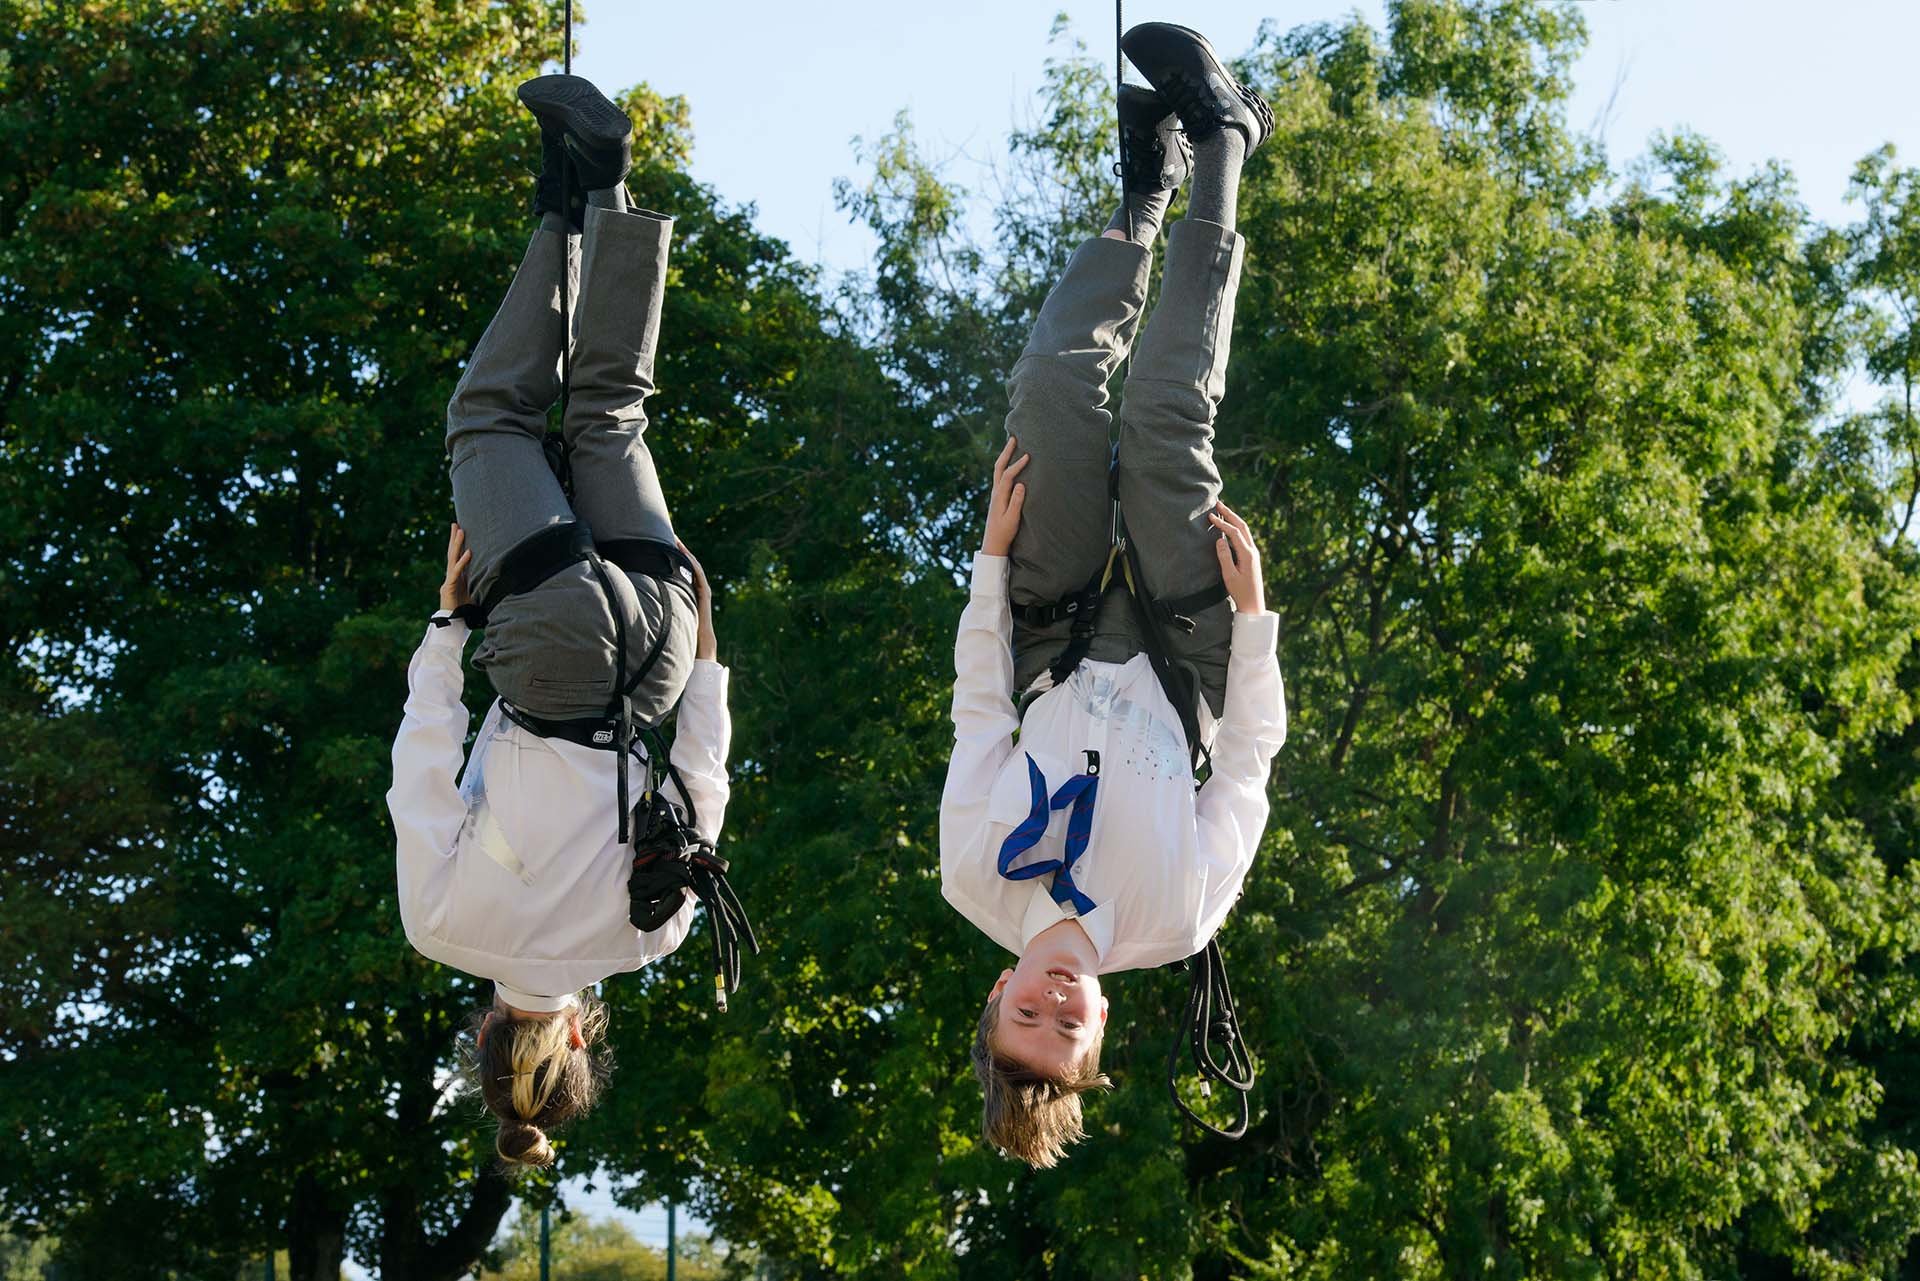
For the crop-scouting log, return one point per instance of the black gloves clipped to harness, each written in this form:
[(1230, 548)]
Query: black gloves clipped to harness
[(670, 859)]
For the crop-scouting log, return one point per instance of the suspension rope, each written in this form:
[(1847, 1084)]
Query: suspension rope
[(1119, 129), (566, 259)]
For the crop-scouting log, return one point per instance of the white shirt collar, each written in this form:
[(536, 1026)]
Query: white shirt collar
[(1043, 912), (533, 1003)]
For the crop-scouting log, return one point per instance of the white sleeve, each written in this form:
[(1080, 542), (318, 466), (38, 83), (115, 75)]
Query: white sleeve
[(700, 745), (428, 752), (1231, 809), (984, 716)]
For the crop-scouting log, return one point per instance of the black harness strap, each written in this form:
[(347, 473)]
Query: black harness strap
[(649, 556), (1178, 612), (672, 859), (530, 564)]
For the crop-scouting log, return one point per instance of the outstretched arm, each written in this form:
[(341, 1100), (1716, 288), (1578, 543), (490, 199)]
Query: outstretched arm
[(429, 750), (705, 735), (984, 718), (1232, 808)]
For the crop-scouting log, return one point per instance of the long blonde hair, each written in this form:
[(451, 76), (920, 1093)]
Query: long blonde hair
[(534, 1075)]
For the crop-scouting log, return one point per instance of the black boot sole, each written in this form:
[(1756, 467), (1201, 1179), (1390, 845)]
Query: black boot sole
[(595, 132), (1181, 64)]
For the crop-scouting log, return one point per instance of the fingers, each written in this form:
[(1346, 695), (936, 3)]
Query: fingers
[(1235, 519), (1019, 466), (700, 584), (1236, 534), (1015, 500), (1000, 463), (460, 565)]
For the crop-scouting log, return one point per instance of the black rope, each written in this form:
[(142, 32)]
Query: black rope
[(559, 447), (1119, 129), (1210, 1017)]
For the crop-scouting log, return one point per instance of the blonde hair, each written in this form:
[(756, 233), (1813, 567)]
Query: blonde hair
[(532, 1076), (1029, 1116)]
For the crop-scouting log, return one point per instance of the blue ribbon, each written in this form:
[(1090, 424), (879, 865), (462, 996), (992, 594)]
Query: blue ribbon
[(1078, 792)]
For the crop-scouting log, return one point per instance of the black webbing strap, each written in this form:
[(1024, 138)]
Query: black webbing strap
[(1210, 1019), (671, 858), (651, 557), (1178, 612), (530, 564), (1176, 680), (1083, 607)]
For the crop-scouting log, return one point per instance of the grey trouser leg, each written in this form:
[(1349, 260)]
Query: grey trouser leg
[(616, 488), (503, 490), (550, 651), (1058, 395), (1168, 481), (623, 280)]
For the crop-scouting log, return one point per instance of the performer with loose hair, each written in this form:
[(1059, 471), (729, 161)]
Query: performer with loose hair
[(1071, 834)]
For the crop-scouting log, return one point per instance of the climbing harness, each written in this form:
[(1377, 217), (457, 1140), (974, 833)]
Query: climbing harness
[(538, 559), (670, 857), (1153, 614)]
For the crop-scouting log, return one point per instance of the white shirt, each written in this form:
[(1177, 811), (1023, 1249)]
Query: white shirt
[(516, 872), (1162, 865)]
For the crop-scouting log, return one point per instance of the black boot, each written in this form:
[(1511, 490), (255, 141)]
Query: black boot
[(582, 135), (1182, 66), (1158, 156)]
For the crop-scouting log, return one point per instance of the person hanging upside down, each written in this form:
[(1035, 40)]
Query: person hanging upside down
[(1082, 847), (519, 872)]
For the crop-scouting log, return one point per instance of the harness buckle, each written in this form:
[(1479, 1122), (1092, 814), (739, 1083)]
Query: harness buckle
[(1093, 763)]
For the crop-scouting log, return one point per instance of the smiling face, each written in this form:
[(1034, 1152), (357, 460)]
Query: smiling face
[(1051, 1012)]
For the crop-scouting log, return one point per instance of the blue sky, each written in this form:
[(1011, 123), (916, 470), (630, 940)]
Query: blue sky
[(778, 91)]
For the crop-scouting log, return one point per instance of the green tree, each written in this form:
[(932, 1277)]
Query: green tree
[(1567, 939), (245, 247), (583, 1249), (1583, 940)]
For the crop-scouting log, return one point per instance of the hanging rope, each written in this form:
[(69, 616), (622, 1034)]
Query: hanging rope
[(1210, 1018), (1120, 131), (566, 272)]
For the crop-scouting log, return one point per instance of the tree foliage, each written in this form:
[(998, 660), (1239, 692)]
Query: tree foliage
[(1582, 941)]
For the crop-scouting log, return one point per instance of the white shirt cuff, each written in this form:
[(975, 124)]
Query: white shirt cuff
[(708, 672), (989, 575), (452, 636), (1255, 635)]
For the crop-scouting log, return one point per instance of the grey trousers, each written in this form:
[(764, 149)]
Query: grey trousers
[(550, 650), (1168, 481)]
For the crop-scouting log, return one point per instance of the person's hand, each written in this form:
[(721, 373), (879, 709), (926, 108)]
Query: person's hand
[(453, 592), (1003, 509), (1239, 560), (705, 645)]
